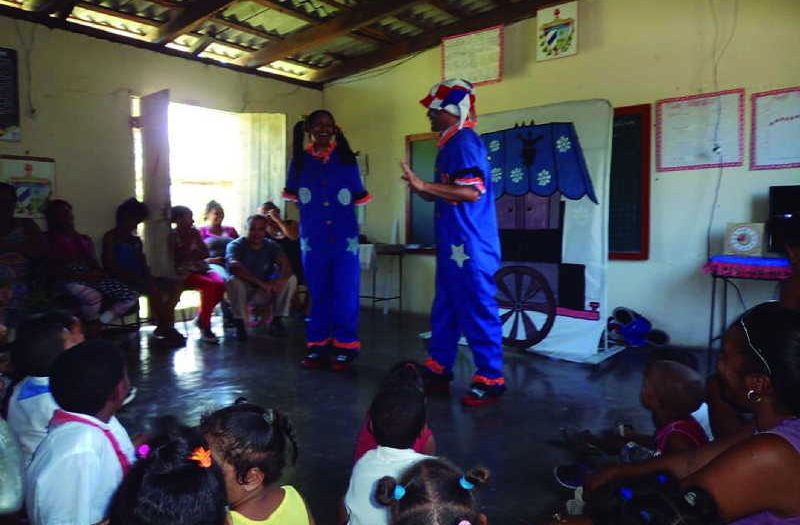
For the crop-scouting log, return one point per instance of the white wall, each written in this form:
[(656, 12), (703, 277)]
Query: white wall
[(81, 88), (630, 52)]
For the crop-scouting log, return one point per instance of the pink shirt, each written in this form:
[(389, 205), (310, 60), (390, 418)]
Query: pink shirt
[(689, 427), (366, 440)]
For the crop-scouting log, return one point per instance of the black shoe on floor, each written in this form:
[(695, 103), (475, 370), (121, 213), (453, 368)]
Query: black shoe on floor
[(277, 328)]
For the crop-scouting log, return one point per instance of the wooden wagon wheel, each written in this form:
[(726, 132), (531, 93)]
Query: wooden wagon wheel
[(529, 303)]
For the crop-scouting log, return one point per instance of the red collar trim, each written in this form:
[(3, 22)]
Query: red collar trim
[(323, 155), (452, 130)]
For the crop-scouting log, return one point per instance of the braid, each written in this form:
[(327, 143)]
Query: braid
[(283, 426), (298, 134), (345, 152)]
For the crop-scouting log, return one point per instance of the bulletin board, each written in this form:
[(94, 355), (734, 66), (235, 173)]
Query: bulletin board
[(35, 180), (775, 134), (475, 56), (700, 131)]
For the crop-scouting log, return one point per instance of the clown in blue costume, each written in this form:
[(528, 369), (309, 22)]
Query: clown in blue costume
[(324, 181), (467, 245)]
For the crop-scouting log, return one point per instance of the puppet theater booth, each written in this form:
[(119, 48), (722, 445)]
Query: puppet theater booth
[(550, 174)]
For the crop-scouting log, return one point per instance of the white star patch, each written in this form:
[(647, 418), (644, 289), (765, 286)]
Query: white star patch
[(352, 245), (458, 254), (304, 246)]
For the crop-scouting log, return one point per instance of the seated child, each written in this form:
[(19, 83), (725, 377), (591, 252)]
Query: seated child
[(175, 483), (80, 463), (250, 444), (433, 492), (401, 375), (41, 339), (397, 416), (671, 392)]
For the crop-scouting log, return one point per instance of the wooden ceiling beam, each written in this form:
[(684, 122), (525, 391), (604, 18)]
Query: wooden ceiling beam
[(324, 32), (244, 28), (201, 45), (187, 19), (291, 11), (447, 7), (61, 8), (505, 15)]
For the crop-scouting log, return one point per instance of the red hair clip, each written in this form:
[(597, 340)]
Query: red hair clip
[(202, 456)]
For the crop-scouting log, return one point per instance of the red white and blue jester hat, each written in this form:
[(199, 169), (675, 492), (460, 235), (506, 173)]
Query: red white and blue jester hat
[(454, 95)]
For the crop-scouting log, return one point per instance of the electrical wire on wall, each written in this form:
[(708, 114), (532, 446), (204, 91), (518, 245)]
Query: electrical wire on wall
[(27, 48), (717, 53)]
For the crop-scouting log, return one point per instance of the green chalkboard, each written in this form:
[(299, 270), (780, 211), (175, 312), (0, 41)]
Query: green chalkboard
[(422, 152)]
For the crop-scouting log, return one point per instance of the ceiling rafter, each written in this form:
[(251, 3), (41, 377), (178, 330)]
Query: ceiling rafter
[(60, 8), (187, 19), (447, 7), (331, 29), (509, 14)]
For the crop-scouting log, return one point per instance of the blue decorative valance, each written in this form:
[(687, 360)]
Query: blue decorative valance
[(543, 159)]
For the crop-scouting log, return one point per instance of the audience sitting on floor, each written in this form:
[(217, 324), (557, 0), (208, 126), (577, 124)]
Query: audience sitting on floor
[(22, 246), (402, 376), (191, 265), (261, 278), (251, 444), (176, 482), (396, 418), (86, 453), (671, 392), (753, 478), (433, 492), (41, 340), (124, 259), (73, 266)]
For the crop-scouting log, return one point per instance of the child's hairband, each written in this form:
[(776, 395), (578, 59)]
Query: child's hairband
[(202, 456), (466, 485), (399, 492), (143, 450)]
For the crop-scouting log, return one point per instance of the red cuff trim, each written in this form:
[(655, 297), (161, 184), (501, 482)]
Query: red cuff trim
[(475, 182), (363, 200), (289, 196), (352, 345), (487, 381), (324, 342), (433, 366)]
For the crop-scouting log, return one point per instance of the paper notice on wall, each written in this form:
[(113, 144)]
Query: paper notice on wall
[(775, 140), (476, 57)]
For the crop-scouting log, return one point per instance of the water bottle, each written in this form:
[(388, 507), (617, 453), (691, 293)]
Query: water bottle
[(633, 452)]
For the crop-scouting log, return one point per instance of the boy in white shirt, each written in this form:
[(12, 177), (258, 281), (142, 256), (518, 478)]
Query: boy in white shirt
[(397, 417), (80, 463), (40, 341)]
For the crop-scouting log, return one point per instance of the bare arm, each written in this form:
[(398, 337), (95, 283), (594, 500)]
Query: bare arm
[(680, 464), (431, 190), (758, 475)]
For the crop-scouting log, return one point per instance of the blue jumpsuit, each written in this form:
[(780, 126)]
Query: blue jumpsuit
[(326, 192), (467, 257)]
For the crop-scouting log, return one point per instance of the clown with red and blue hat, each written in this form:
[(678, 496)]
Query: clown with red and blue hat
[(467, 245)]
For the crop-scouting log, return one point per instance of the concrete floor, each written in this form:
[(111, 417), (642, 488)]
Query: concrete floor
[(326, 409)]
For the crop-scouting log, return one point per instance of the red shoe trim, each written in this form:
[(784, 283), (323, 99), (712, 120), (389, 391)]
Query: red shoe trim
[(469, 401), (324, 342)]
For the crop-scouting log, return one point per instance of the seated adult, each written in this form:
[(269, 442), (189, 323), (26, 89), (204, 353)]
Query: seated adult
[(754, 477), (123, 258), (216, 236), (286, 233), (191, 256), (72, 265), (254, 261), (21, 245)]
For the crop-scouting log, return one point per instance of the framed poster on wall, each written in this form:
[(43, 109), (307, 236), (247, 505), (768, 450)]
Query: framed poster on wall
[(35, 180), (475, 56), (700, 131), (775, 136), (9, 96)]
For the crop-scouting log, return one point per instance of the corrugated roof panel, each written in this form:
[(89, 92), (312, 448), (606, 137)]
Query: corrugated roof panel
[(256, 15), (396, 27), (224, 32), (140, 8), (105, 21), (346, 46)]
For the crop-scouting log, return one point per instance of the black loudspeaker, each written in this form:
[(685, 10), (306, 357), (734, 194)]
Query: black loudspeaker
[(572, 286), (784, 216)]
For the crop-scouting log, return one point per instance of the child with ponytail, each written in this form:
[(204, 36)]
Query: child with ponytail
[(433, 492)]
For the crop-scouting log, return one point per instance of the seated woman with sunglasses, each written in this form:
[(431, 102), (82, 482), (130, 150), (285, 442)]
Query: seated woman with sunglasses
[(753, 476)]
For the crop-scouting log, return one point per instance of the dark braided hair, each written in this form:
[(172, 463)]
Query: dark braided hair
[(250, 436), (302, 127), (432, 492)]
